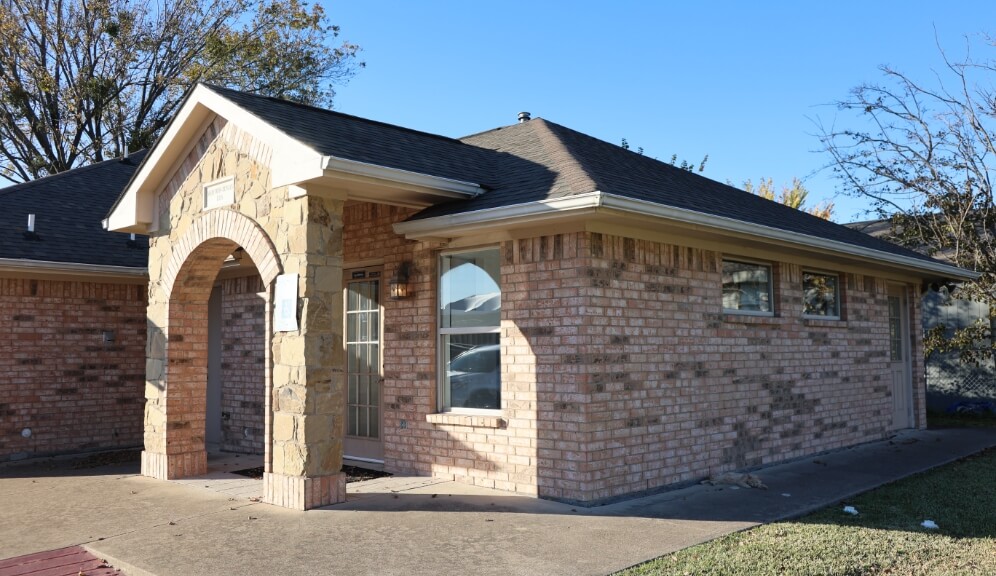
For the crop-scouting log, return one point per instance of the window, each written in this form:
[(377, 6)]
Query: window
[(895, 329), (820, 295), (469, 326), (747, 288)]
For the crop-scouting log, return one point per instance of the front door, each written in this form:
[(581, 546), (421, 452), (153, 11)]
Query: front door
[(899, 360), (364, 431)]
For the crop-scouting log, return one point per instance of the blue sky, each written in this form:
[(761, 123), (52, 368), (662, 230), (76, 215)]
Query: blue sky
[(740, 81)]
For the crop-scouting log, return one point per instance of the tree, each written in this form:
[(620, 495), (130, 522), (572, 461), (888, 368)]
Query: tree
[(83, 80), (793, 197), (923, 155), (685, 164)]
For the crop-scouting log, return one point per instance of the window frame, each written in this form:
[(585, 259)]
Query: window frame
[(837, 294), (442, 392), (771, 287)]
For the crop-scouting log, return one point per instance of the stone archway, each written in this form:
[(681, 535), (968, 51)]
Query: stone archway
[(177, 417), (303, 375)]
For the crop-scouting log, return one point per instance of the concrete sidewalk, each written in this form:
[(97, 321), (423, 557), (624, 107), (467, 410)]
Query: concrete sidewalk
[(416, 526)]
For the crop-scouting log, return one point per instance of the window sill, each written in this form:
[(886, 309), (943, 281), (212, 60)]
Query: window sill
[(829, 322), (741, 318), (469, 420)]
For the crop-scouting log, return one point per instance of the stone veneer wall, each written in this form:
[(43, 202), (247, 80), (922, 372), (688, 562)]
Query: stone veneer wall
[(281, 234), (57, 375), (243, 350)]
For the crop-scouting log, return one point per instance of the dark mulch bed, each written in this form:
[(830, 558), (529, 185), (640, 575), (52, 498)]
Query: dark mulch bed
[(353, 473), (107, 458)]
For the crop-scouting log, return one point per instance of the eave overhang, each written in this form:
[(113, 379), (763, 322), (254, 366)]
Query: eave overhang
[(293, 164), (14, 266), (598, 207)]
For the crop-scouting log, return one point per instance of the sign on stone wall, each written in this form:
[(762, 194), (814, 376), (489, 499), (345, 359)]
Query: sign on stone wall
[(285, 304), (219, 193)]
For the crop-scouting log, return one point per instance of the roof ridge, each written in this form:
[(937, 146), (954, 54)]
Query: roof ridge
[(319, 109), (65, 173), (557, 148)]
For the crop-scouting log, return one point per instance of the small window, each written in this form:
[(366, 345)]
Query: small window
[(469, 330), (747, 288), (820, 295)]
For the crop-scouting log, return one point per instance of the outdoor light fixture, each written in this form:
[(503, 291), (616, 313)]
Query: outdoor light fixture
[(399, 287)]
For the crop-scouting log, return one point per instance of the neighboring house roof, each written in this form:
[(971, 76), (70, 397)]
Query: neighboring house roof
[(68, 209), (529, 171)]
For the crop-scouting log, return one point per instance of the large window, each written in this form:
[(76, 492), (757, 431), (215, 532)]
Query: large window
[(469, 326), (820, 295), (746, 287)]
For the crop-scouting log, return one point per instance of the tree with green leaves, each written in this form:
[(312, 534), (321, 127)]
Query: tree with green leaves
[(922, 152), (84, 80), (793, 196)]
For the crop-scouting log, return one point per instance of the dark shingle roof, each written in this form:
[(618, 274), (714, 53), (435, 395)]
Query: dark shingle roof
[(353, 138), (554, 161), (68, 209)]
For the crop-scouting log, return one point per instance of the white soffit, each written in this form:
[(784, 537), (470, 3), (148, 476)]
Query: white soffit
[(134, 212), (595, 204), (293, 163)]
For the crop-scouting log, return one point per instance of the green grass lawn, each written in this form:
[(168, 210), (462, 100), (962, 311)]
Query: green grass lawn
[(884, 538)]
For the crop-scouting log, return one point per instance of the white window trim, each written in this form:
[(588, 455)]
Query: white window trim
[(837, 298), (771, 288), (442, 393)]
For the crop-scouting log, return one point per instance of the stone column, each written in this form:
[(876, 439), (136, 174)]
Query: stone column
[(308, 392)]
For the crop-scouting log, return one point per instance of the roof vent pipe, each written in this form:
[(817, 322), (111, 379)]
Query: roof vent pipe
[(31, 223), (523, 117)]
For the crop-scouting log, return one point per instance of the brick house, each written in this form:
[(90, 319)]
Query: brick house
[(73, 303), (72, 316), (528, 308)]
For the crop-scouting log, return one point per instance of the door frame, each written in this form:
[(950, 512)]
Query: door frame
[(351, 274), (906, 351)]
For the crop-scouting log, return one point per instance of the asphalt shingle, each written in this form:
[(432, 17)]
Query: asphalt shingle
[(68, 209)]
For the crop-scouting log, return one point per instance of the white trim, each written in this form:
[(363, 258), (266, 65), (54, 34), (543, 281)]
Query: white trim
[(226, 185), (598, 202), (135, 210), (358, 459), (70, 268), (457, 188)]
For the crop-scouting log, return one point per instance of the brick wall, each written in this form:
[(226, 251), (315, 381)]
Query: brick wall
[(677, 390), (621, 374), (243, 341), (59, 377)]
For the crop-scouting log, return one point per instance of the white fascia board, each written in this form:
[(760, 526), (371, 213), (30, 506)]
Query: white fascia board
[(442, 226), (14, 265), (449, 187), (134, 211), (721, 223), (598, 202)]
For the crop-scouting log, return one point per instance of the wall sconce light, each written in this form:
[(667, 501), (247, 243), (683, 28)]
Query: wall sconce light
[(398, 286)]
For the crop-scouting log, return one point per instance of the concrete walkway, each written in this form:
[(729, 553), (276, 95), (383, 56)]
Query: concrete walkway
[(411, 526)]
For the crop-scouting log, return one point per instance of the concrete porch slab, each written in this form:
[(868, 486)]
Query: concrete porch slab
[(412, 526)]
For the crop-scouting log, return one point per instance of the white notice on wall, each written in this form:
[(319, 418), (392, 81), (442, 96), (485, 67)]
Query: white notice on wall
[(285, 304), (219, 193)]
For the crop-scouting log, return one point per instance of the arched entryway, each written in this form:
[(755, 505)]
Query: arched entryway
[(303, 395), (189, 280)]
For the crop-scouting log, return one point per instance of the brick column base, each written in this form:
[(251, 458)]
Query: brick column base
[(174, 466), (302, 493)]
